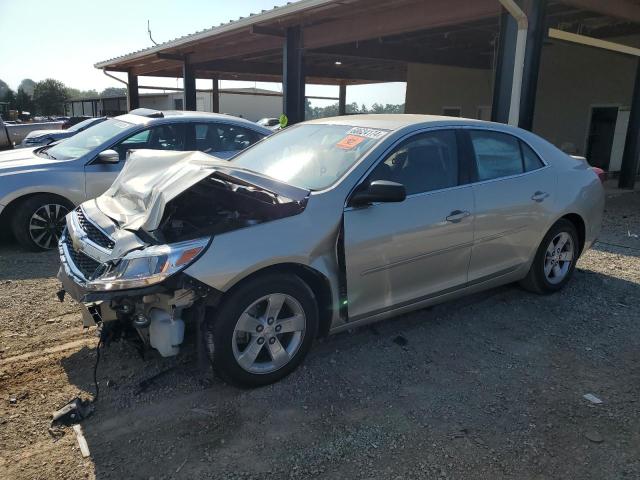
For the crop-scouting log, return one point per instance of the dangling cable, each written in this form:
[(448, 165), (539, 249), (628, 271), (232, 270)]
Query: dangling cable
[(95, 369)]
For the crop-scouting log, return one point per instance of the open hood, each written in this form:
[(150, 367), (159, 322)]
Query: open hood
[(150, 179)]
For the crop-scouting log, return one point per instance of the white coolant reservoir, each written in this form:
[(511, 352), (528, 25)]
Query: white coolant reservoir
[(165, 334)]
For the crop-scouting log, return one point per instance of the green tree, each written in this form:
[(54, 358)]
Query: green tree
[(24, 101), (113, 92), (10, 98), (4, 88), (27, 85), (77, 93), (49, 96)]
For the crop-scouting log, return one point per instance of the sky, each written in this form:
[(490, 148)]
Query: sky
[(63, 39)]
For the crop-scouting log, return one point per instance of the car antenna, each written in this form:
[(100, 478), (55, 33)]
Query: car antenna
[(149, 31)]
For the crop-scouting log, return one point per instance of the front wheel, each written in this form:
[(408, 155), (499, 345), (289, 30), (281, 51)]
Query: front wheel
[(39, 220), (263, 330), (555, 259)]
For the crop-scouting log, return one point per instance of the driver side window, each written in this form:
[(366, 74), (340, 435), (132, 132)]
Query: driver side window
[(423, 163), (161, 137)]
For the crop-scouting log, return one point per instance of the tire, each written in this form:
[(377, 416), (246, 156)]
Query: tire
[(544, 280), (26, 225), (243, 321)]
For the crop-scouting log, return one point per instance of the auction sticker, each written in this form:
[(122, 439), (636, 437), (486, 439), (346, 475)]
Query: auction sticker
[(349, 142), (367, 132)]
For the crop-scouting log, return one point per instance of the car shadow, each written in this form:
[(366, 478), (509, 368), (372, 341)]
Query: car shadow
[(423, 375)]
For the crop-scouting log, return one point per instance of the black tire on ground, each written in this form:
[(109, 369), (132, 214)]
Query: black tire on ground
[(536, 280), (23, 212), (220, 329)]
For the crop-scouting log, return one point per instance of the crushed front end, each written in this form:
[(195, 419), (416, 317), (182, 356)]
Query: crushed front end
[(140, 294), (123, 255)]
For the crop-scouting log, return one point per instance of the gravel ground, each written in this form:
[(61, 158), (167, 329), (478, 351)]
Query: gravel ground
[(487, 387)]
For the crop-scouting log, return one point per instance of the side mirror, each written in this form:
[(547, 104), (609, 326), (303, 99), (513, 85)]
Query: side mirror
[(108, 156), (379, 191)]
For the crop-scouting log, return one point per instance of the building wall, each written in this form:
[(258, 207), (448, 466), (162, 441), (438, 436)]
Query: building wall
[(251, 107), (572, 79), (431, 88)]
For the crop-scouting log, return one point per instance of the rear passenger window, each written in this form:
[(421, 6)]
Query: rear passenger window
[(531, 159), (497, 154), (425, 162), (212, 137)]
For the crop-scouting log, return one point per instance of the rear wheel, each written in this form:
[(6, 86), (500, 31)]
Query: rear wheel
[(263, 331), (38, 221), (555, 259)]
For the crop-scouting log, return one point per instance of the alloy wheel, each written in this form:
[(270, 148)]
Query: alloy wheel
[(558, 258), (46, 225), (269, 333)]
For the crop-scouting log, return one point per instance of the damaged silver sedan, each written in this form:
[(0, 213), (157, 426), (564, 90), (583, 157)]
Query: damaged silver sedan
[(327, 225)]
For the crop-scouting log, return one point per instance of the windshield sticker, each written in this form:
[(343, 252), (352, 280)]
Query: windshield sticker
[(349, 142), (367, 132)]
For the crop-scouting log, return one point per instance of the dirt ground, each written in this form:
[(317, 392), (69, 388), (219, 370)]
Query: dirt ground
[(487, 387)]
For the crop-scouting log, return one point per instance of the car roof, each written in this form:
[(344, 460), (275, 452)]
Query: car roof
[(397, 121), (169, 116)]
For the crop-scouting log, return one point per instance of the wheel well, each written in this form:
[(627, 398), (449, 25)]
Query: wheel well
[(7, 213), (578, 222), (317, 282)]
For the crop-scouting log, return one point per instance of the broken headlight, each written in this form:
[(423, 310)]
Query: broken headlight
[(141, 268)]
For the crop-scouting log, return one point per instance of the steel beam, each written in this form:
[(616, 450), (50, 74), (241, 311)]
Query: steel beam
[(503, 78), (293, 81), (535, 40), (133, 94), (189, 84), (629, 169), (342, 100), (215, 96)]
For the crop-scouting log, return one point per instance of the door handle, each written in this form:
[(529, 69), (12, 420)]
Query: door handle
[(539, 196), (457, 215)]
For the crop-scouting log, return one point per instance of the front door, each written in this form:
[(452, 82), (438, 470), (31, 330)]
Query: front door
[(400, 253)]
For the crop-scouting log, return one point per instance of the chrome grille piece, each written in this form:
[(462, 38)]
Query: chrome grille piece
[(93, 233)]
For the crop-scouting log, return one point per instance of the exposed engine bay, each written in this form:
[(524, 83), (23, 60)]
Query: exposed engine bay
[(215, 205)]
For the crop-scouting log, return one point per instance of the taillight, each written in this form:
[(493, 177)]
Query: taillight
[(602, 175)]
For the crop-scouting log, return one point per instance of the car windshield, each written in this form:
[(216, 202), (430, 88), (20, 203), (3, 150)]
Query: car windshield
[(312, 156), (79, 126), (87, 140)]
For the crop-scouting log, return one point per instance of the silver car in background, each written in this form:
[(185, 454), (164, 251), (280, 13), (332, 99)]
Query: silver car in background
[(325, 226), (39, 138), (39, 186)]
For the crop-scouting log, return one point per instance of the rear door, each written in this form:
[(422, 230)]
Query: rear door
[(100, 176), (400, 253), (514, 193)]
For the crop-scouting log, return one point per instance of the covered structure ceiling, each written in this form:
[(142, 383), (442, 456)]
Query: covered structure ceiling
[(357, 41)]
